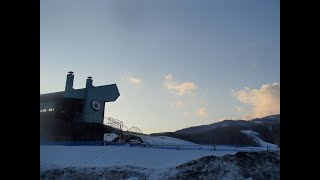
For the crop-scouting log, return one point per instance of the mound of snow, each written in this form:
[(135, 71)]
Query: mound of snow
[(241, 166), (257, 139)]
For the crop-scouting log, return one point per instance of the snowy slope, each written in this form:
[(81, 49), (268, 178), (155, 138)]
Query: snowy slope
[(164, 140), (107, 156), (256, 138)]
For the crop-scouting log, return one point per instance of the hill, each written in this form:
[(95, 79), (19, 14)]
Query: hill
[(229, 132)]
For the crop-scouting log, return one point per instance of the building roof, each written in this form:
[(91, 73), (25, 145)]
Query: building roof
[(107, 93)]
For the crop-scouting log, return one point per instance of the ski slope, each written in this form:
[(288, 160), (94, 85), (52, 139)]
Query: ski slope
[(164, 140), (153, 140), (258, 140)]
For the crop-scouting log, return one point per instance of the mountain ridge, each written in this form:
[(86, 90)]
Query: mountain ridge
[(228, 131)]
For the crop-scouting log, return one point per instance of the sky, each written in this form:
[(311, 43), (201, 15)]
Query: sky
[(177, 63)]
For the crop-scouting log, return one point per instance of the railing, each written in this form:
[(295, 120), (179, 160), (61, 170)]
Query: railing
[(117, 124), (135, 130), (172, 147), (199, 147)]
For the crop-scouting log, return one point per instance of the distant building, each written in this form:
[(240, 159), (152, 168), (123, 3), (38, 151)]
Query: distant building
[(77, 105)]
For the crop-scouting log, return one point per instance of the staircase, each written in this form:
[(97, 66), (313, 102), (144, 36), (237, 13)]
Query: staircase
[(124, 133)]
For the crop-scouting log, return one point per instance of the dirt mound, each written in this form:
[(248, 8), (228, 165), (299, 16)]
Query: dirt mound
[(93, 173), (243, 165)]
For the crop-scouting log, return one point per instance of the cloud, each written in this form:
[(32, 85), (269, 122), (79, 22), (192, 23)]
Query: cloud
[(177, 105), (133, 80), (202, 112), (264, 101), (187, 114), (238, 109), (179, 88), (168, 77)]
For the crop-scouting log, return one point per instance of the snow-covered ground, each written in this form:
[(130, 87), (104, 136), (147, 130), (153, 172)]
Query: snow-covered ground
[(258, 140), (106, 156), (158, 160), (165, 152), (122, 162), (152, 140)]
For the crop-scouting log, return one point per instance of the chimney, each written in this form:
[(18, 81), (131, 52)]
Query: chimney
[(89, 82), (69, 82)]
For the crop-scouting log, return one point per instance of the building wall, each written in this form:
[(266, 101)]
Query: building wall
[(101, 94), (62, 113), (45, 106)]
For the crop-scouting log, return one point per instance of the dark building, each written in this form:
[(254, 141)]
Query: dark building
[(60, 111)]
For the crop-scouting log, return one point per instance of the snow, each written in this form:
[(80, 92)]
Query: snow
[(250, 132), (258, 140), (110, 137), (153, 140), (242, 166), (135, 162), (54, 156), (158, 160), (164, 140)]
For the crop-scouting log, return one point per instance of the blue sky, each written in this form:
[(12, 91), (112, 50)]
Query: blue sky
[(176, 63)]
